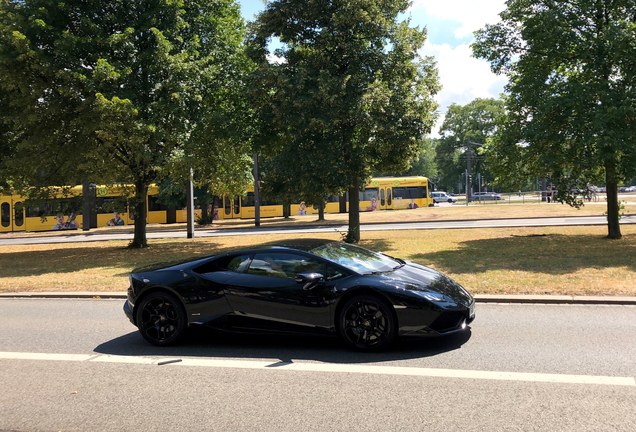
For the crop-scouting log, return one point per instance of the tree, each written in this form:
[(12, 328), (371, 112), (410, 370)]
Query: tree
[(466, 128), (423, 164), (351, 95), (571, 99), (118, 89)]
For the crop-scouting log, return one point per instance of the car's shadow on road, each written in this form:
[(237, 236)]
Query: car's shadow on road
[(201, 342)]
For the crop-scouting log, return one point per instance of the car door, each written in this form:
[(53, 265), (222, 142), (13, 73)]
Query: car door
[(267, 295)]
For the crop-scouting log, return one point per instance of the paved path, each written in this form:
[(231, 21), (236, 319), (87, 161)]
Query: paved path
[(485, 223)]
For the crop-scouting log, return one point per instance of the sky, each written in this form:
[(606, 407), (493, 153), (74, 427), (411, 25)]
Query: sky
[(450, 25)]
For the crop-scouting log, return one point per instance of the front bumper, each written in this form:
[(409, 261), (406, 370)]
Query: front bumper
[(128, 310), (447, 321)]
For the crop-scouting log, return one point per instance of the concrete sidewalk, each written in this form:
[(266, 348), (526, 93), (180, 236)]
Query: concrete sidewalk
[(480, 298)]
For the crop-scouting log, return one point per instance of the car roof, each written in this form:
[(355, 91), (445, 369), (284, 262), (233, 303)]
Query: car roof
[(300, 244)]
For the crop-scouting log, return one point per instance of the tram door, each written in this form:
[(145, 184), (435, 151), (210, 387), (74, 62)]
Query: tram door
[(386, 198), (11, 214), (231, 207)]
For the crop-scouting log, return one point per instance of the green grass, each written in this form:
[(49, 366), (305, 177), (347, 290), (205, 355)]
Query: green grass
[(544, 260)]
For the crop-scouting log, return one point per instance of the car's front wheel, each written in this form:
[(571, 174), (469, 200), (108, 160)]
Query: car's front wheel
[(161, 319), (367, 323)]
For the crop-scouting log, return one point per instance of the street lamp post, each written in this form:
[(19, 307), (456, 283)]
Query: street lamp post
[(469, 170), (190, 208), (257, 193)]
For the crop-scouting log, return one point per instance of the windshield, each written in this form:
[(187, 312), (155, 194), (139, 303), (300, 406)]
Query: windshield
[(356, 258)]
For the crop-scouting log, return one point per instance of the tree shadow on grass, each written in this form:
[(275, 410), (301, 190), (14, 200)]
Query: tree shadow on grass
[(547, 254), (85, 257)]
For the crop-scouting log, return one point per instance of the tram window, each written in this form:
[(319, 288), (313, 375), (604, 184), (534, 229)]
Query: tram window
[(52, 207), (18, 209), (389, 196), (110, 205), (369, 194), (154, 204), (382, 202), (5, 214), (249, 201)]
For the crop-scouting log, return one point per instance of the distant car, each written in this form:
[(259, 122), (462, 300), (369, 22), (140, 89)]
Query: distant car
[(440, 196), (630, 189), (305, 285), (486, 196)]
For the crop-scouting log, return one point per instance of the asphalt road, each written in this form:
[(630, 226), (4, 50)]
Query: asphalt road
[(76, 236), (78, 365)]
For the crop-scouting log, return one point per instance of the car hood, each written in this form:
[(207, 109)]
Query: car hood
[(415, 277)]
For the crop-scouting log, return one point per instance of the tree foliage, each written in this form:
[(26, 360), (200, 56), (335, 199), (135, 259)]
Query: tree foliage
[(571, 99), (118, 90), (350, 96), (474, 123)]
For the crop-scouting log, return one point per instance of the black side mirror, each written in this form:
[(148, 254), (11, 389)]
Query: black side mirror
[(309, 280)]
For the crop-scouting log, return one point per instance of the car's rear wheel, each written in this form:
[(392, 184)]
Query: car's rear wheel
[(367, 323), (161, 319)]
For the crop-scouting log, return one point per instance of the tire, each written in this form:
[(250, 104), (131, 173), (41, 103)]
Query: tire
[(367, 323), (161, 319)]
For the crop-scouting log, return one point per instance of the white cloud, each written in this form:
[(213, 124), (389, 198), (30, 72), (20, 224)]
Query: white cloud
[(274, 59), (470, 14), (463, 77)]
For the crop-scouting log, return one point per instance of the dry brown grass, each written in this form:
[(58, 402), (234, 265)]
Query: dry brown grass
[(543, 260)]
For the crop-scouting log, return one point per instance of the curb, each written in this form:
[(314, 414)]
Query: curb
[(479, 298)]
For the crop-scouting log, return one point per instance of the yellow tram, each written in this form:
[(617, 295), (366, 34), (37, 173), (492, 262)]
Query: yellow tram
[(63, 209)]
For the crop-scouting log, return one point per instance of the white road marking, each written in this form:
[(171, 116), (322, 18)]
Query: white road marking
[(327, 367)]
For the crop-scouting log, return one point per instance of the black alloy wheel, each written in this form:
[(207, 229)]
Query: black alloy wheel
[(161, 319), (367, 323)]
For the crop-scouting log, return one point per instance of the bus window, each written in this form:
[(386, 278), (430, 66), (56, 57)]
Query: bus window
[(5, 214), (410, 192)]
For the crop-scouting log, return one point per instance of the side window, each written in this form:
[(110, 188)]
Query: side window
[(239, 263), (332, 273), (285, 265)]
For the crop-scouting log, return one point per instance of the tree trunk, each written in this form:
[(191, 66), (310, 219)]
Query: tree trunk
[(140, 240), (321, 211), (611, 184), (353, 236)]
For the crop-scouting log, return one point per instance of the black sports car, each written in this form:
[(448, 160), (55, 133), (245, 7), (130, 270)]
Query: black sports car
[(318, 286)]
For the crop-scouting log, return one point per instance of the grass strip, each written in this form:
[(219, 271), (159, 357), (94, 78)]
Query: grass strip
[(538, 260)]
